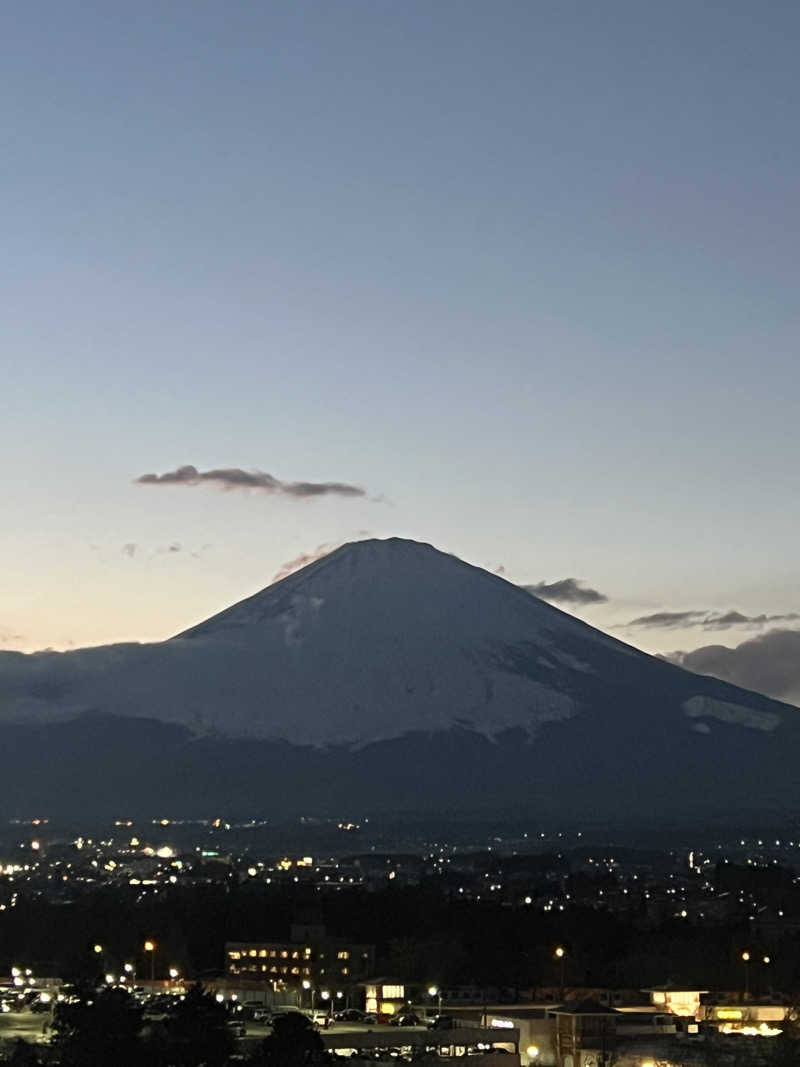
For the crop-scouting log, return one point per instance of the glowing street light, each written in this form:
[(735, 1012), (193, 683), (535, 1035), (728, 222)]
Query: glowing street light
[(561, 955), (150, 946), (173, 973), (435, 991), (746, 962), (98, 949)]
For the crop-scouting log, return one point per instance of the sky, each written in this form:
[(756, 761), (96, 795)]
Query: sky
[(518, 279)]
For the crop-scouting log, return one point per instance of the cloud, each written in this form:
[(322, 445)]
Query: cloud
[(667, 619), (302, 560), (129, 549), (9, 637), (707, 620), (235, 478), (768, 663), (566, 591)]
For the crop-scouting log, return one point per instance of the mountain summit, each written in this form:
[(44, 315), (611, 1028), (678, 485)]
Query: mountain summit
[(391, 675)]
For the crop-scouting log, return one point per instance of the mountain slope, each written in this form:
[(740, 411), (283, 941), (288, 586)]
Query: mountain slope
[(393, 671)]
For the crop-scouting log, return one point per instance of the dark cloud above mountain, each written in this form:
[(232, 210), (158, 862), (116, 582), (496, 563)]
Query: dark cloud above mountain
[(235, 478), (707, 620), (769, 663), (566, 591)]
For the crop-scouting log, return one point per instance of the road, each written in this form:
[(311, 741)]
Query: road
[(25, 1024)]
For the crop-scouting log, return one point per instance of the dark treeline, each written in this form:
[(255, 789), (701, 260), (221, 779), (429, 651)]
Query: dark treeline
[(420, 935)]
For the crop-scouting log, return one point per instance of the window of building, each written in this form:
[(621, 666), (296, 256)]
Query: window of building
[(252, 952), (343, 956), (394, 992), (262, 952), (345, 970), (234, 955)]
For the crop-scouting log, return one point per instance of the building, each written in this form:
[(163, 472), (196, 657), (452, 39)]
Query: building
[(585, 1034), (677, 999), (309, 956)]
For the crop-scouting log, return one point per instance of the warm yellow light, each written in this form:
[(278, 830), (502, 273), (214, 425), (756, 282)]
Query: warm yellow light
[(767, 959), (560, 952), (746, 957), (533, 1051), (306, 984), (98, 948), (173, 973), (149, 946), (433, 990)]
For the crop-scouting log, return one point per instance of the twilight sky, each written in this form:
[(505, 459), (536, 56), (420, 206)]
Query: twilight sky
[(525, 272)]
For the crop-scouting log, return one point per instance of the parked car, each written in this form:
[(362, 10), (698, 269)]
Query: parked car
[(237, 1027), (442, 1022), (370, 1018), (349, 1015), (407, 1018)]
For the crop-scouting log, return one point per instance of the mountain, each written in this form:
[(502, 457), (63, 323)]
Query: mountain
[(388, 676)]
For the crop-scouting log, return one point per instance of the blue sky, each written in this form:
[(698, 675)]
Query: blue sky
[(527, 272)]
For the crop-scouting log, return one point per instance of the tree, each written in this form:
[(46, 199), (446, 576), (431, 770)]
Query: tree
[(195, 1034), (292, 1043), (23, 1055), (100, 1027)]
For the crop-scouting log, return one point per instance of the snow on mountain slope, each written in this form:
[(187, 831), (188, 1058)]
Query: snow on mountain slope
[(373, 642)]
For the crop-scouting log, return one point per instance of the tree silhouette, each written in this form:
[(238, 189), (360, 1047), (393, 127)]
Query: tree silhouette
[(195, 1034), (23, 1054), (100, 1028), (293, 1043)]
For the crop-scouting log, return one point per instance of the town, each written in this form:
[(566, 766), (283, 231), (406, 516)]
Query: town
[(413, 940)]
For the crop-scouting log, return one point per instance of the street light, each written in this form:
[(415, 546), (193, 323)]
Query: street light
[(561, 955), (98, 949), (746, 962), (435, 991), (150, 946), (173, 973)]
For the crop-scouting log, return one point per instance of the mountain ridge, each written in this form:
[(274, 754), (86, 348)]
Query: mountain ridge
[(391, 668)]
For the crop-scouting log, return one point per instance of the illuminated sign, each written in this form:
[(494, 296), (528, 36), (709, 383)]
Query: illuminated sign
[(501, 1024), (729, 1013)]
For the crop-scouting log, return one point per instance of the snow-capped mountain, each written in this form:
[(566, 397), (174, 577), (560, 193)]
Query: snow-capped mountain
[(393, 674)]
